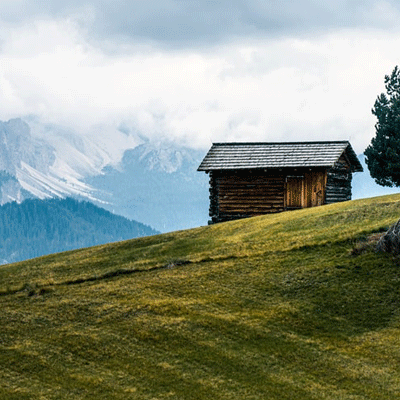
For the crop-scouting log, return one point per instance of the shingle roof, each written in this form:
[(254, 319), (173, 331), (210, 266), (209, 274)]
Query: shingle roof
[(223, 156)]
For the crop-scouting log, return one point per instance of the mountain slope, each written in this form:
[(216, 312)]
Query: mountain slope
[(38, 227), (295, 305)]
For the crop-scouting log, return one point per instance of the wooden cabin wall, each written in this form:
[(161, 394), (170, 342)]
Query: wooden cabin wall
[(235, 195), (338, 185), (214, 208), (242, 194)]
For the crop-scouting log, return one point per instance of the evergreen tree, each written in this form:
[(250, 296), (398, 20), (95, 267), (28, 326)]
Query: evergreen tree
[(38, 227), (383, 154)]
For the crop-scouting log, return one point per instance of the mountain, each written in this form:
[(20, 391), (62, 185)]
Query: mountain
[(17, 151), (152, 182), (49, 161), (158, 184), (30, 167), (38, 227), (290, 306)]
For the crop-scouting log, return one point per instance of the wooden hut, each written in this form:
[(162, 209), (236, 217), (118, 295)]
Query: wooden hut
[(248, 179)]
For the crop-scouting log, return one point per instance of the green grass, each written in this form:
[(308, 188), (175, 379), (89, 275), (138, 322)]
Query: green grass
[(291, 306)]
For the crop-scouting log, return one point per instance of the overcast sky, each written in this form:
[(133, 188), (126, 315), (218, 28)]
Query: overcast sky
[(200, 71)]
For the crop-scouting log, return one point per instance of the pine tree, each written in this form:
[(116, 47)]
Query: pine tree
[(383, 154)]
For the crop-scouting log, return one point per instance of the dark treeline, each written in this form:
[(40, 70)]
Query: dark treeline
[(38, 227)]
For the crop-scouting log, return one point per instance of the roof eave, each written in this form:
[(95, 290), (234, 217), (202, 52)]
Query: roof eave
[(201, 169), (353, 159)]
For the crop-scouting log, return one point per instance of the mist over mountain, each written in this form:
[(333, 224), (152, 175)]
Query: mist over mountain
[(50, 161), (35, 168), (157, 184)]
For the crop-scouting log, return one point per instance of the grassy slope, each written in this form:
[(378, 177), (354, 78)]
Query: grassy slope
[(273, 307)]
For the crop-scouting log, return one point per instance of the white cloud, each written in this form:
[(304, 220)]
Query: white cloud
[(188, 23), (308, 88)]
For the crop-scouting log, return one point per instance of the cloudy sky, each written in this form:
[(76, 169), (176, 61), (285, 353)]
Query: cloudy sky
[(200, 71)]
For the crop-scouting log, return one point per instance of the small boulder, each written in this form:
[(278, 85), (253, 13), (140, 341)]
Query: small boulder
[(390, 241)]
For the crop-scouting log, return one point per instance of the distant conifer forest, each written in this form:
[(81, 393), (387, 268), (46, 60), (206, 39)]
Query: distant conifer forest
[(39, 227)]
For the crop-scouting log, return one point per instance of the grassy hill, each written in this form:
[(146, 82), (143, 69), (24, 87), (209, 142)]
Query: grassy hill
[(289, 306)]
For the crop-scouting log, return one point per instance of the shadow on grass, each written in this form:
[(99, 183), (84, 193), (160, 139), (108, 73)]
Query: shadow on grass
[(347, 294), (38, 289)]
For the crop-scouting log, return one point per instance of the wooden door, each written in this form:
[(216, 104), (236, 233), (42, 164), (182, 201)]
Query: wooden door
[(318, 193), (294, 191), (314, 188)]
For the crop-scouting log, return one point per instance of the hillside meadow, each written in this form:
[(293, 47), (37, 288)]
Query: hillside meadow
[(296, 305)]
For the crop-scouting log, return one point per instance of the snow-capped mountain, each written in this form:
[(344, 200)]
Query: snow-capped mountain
[(158, 184), (155, 183), (45, 161), (19, 154)]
